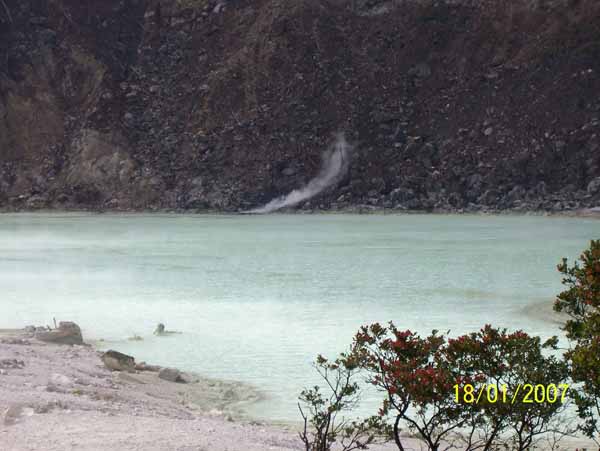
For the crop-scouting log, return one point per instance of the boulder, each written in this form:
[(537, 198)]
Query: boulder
[(289, 171), (15, 413), (143, 366), (421, 70), (15, 341), (170, 374), (594, 186), (117, 361), (30, 330), (60, 379), (67, 333), (12, 364), (160, 329), (517, 193)]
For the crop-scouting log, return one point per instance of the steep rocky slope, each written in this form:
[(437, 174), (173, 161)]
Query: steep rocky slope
[(214, 104)]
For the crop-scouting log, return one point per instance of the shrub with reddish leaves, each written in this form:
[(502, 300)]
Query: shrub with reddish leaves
[(417, 383), (423, 380), (508, 362), (419, 376)]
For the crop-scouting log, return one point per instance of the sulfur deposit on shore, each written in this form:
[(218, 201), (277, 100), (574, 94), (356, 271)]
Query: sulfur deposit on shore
[(61, 397)]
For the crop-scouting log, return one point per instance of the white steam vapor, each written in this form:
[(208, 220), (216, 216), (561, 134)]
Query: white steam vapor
[(335, 165)]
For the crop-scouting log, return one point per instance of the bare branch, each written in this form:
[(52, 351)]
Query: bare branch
[(7, 11)]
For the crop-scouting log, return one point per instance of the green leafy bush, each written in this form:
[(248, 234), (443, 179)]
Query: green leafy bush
[(581, 301)]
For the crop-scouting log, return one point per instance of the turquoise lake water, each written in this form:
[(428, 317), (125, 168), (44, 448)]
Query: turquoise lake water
[(257, 297)]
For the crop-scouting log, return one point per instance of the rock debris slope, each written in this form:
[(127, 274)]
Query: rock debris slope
[(225, 105)]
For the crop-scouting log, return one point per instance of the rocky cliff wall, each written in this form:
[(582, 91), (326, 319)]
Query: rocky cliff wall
[(205, 104)]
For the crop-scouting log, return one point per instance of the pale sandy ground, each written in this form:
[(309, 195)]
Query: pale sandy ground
[(63, 398)]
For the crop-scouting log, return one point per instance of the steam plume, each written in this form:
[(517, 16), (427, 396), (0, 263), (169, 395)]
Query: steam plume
[(335, 165)]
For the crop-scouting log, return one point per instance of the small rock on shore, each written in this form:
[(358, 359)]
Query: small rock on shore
[(170, 374), (117, 361)]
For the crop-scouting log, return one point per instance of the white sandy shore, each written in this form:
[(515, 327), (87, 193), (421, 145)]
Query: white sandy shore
[(58, 398), (63, 398)]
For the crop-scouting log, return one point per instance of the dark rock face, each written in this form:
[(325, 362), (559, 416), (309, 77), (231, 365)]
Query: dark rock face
[(183, 104), (68, 333)]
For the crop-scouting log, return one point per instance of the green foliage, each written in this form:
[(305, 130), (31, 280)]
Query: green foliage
[(581, 301)]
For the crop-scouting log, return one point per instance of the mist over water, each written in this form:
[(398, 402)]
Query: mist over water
[(257, 297), (335, 165)]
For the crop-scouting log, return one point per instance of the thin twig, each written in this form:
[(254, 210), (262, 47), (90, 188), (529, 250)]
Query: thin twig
[(7, 11)]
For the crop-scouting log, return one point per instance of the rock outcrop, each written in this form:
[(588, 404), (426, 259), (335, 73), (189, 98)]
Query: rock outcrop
[(170, 374), (594, 187), (117, 361), (15, 413), (67, 333), (143, 366), (210, 105)]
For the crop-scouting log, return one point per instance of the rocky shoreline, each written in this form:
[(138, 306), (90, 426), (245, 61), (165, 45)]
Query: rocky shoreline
[(57, 397), (593, 212)]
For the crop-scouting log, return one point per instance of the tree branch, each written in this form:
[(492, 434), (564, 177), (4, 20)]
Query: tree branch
[(7, 11)]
